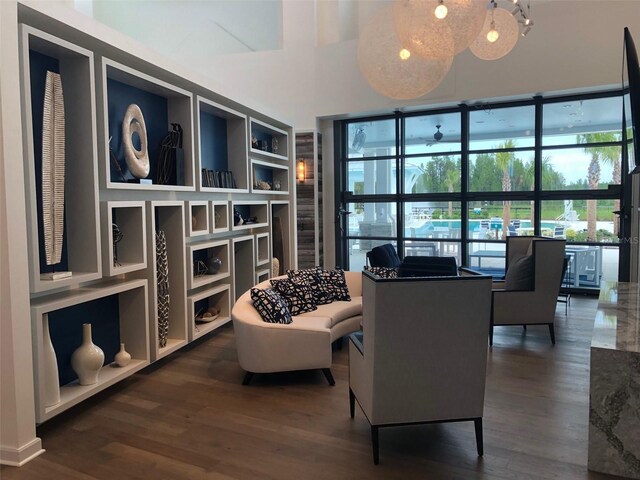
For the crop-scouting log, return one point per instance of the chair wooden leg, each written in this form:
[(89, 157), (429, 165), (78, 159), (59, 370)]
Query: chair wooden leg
[(479, 443), (352, 403), (375, 444), (247, 378), (552, 333), (339, 343), (329, 376)]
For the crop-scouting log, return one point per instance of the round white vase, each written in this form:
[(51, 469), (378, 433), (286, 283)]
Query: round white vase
[(50, 379), (123, 357), (88, 358)]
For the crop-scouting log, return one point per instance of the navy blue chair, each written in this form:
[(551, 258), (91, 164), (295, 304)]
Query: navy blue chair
[(383, 256)]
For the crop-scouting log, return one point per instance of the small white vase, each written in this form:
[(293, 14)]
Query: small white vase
[(88, 358), (123, 357), (50, 380)]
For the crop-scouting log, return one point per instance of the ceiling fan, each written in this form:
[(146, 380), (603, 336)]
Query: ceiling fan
[(437, 136)]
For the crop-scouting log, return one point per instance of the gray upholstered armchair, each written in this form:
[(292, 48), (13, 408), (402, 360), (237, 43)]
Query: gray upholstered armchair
[(422, 354), (529, 293)]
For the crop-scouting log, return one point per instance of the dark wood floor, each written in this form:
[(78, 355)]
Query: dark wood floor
[(189, 418)]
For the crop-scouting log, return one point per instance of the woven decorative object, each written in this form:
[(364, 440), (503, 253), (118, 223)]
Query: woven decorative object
[(162, 280), (53, 159)]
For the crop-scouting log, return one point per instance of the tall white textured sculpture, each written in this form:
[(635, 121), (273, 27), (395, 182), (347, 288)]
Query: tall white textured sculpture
[(53, 168), (137, 160)]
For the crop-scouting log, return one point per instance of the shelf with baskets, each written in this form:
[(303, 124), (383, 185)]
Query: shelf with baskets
[(125, 237), (269, 178), (167, 277), (268, 141), (244, 265), (198, 218), (167, 113), (117, 312), (207, 263), (250, 214), (209, 309), (219, 216), (222, 153), (75, 178)]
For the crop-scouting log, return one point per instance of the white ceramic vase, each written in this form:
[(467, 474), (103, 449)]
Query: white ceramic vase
[(123, 357), (50, 379), (88, 358)]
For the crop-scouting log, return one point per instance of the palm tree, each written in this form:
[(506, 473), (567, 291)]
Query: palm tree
[(504, 160), (604, 154)]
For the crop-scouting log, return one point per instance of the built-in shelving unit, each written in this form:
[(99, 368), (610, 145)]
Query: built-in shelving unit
[(281, 234), (112, 220), (218, 297), (118, 313), (263, 248), (167, 217), (244, 265), (222, 154), (269, 178), (41, 52), (201, 269), (219, 216), (198, 218), (268, 141), (163, 106), (254, 214), (125, 237)]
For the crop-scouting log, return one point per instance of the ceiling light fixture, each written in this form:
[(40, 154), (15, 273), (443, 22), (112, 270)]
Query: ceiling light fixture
[(407, 54)]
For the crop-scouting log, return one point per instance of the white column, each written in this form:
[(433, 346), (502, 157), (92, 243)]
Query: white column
[(18, 441)]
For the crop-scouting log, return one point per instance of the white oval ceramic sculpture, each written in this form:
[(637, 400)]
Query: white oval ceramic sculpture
[(123, 357), (137, 160), (87, 359)]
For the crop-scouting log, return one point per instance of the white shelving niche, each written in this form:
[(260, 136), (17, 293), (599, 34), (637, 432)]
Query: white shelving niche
[(272, 142), (162, 105), (244, 265), (263, 249), (39, 53), (198, 218), (200, 252), (167, 216), (132, 323), (222, 147), (251, 209), (276, 176), (282, 240), (218, 297), (219, 216), (130, 252), (262, 275)]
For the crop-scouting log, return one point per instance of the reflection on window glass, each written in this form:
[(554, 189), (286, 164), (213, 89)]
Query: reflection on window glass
[(432, 174), (581, 220), (487, 258), (501, 172), (432, 133), (371, 139), (497, 220), (581, 168), (582, 121), (432, 248), (372, 220), (371, 177), (500, 128)]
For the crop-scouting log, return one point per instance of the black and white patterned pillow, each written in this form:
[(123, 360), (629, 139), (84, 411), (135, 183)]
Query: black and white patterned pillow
[(297, 294), (271, 306), (383, 272), (335, 285), (312, 277)]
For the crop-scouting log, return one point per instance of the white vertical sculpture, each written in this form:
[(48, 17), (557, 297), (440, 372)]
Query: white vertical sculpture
[(53, 167), (137, 160)]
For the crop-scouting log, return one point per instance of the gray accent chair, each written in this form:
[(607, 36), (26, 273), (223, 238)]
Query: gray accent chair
[(532, 300), (422, 354)]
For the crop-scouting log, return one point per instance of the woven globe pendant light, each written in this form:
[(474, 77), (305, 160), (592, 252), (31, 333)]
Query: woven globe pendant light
[(419, 27), (390, 68), (501, 21)]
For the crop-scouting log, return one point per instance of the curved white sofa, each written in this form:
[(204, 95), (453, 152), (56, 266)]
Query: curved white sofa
[(301, 345)]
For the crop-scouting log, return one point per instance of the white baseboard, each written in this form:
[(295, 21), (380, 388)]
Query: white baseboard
[(16, 457)]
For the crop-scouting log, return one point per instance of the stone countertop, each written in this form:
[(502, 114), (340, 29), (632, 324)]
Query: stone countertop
[(617, 322)]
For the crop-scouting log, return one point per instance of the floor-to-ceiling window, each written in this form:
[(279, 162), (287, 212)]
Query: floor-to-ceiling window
[(457, 182)]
